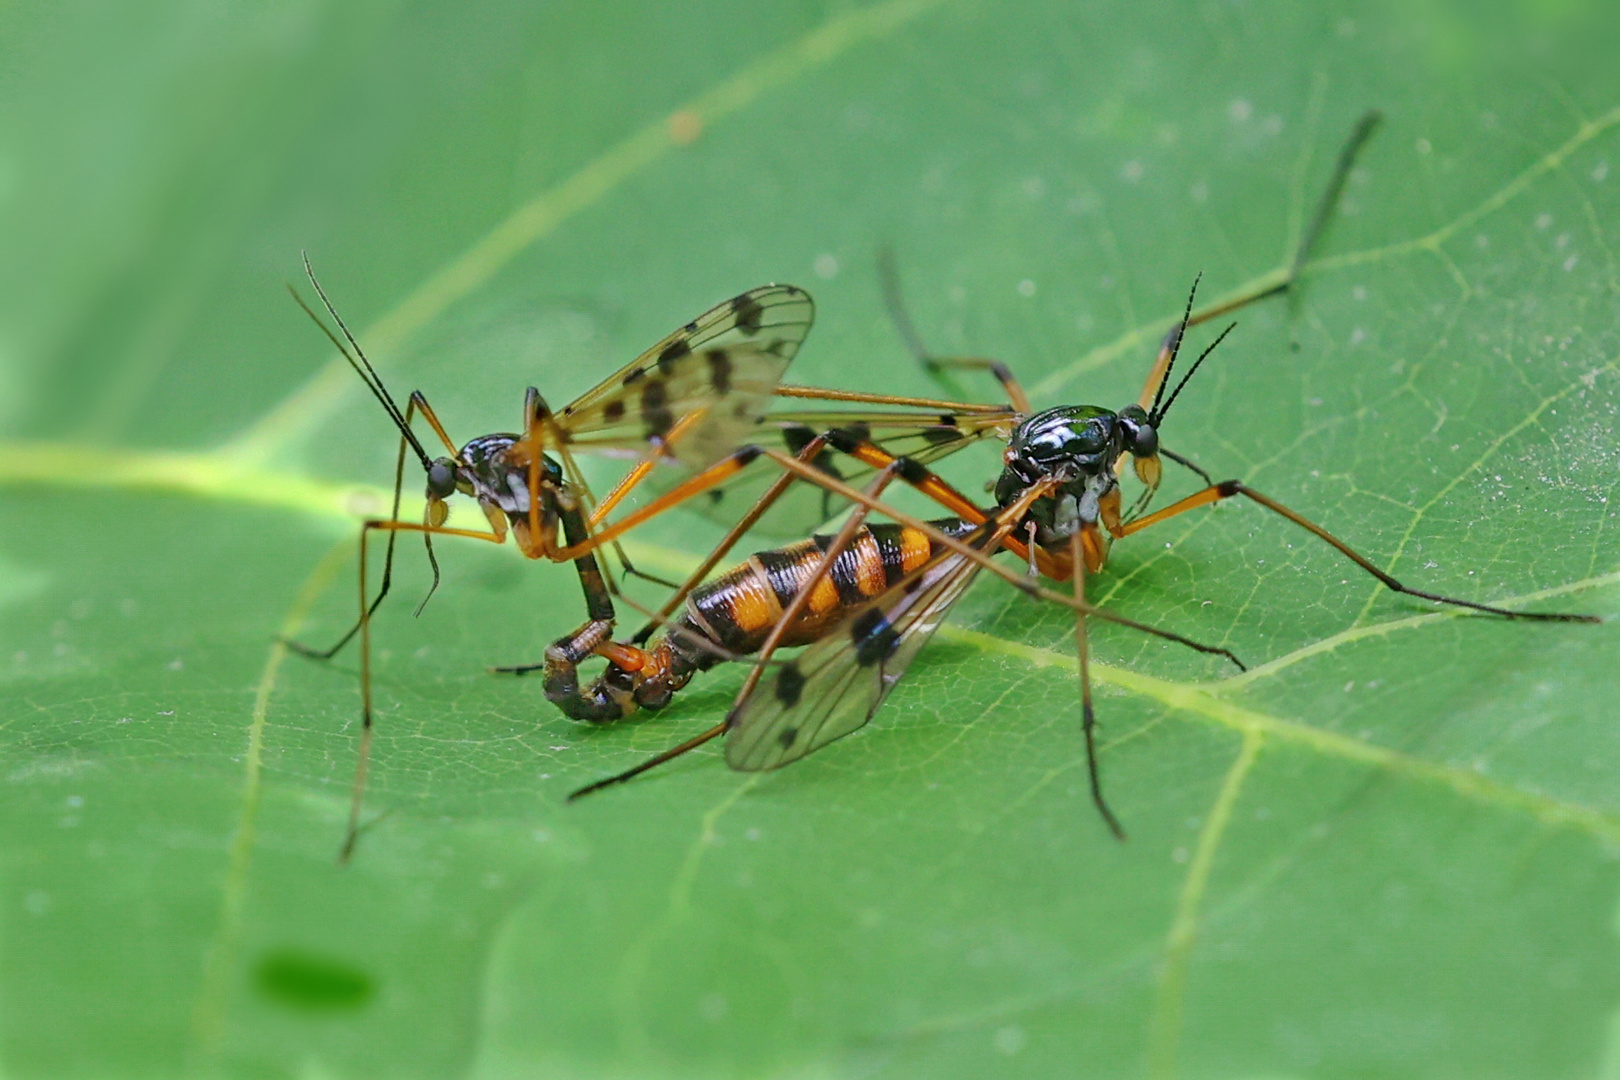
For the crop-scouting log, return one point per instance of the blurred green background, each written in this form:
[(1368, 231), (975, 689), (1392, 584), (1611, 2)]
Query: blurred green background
[(1388, 850)]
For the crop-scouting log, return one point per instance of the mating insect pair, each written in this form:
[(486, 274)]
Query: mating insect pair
[(864, 600), (868, 598)]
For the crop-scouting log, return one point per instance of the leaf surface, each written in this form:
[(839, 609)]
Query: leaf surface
[(1386, 850)]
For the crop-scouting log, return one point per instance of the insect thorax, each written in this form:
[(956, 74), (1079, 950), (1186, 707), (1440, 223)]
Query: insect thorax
[(1078, 443), (495, 471)]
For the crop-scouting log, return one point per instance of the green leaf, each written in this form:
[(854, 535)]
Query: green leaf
[(1385, 850)]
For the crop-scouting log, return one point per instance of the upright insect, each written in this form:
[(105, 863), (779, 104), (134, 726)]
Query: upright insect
[(866, 599), (688, 400)]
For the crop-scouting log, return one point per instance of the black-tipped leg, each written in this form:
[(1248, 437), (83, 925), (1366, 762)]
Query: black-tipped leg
[(1228, 488), (1088, 715), (651, 763), (937, 366)]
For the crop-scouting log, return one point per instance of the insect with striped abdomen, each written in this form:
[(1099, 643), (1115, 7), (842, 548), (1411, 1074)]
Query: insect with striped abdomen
[(866, 600), (690, 400)]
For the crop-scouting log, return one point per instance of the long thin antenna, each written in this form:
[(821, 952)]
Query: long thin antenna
[(1175, 350), (362, 367), (1159, 415)]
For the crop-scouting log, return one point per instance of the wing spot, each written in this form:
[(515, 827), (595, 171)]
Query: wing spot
[(614, 410), (719, 370), (750, 314), (655, 408), (789, 685), (788, 737), (673, 354), (875, 639)]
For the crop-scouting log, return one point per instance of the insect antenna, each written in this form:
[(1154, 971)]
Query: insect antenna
[(362, 367), (1158, 414), (374, 383), (1175, 350)]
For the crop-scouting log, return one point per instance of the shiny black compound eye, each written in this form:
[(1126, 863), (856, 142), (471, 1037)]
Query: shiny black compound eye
[(1142, 440), (441, 478), (1141, 437)]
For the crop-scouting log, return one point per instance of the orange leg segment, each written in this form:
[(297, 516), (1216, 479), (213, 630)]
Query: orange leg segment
[(717, 473)]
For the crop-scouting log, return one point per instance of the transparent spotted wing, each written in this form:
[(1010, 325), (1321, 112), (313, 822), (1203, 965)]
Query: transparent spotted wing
[(724, 364), (836, 684)]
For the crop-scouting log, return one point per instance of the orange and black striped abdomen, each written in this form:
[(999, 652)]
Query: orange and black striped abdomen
[(734, 614), (739, 609)]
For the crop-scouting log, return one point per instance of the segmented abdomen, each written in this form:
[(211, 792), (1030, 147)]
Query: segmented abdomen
[(738, 610)]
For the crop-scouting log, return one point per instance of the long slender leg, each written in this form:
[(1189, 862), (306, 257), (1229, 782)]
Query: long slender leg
[(363, 761), (1329, 199), (1320, 218), (644, 468), (652, 762), (1228, 488), (1088, 715), (889, 278), (358, 793), (417, 403), (715, 474), (808, 453), (595, 513), (566, 652), (861, 397)]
